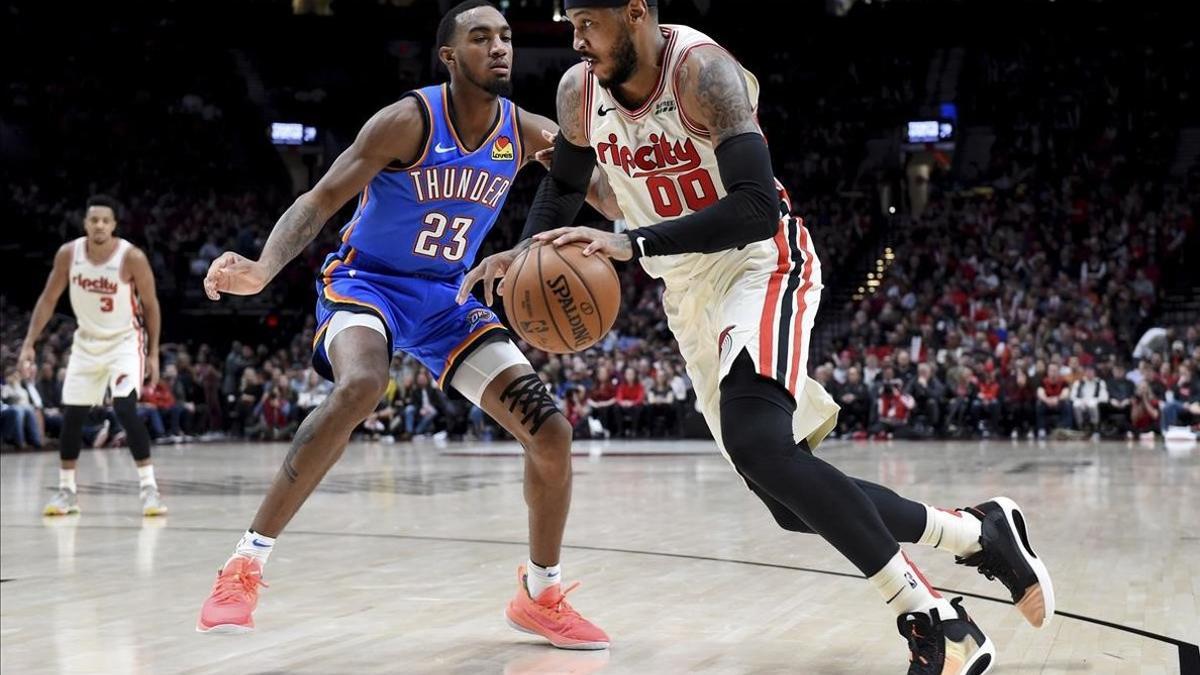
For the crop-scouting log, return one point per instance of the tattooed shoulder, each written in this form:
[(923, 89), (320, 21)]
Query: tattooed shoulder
[(713, 89), (570, 104)]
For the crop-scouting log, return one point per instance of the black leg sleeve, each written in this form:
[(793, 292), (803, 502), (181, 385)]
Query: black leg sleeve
[(72, 432), (135, 431), (757, 411)]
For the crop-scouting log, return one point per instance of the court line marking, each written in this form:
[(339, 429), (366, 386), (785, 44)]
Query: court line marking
[(1189, 654)]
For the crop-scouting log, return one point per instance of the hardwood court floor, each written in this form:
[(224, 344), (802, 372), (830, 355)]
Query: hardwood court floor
[(405, 558)]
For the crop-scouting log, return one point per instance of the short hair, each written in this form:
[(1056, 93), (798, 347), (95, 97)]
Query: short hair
[(445, 31), (652, 9), (104, 200)]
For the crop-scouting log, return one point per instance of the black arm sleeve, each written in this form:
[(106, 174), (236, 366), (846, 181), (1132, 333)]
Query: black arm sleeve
[(749, 211), (563, 190)]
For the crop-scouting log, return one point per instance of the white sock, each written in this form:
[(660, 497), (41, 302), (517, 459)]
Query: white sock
[(66, 479), (146, 476), (905, 590), (255, 545), (538, 578), (954, 531)]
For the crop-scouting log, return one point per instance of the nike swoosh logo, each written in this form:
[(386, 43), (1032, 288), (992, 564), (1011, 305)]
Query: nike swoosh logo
[(601, 111), (439, 148), (260, 543)]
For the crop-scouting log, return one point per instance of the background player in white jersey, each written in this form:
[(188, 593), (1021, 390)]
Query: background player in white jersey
[(670, 117), (113, 298)]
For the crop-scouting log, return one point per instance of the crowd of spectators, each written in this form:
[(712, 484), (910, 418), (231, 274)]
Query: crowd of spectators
[(987, 387), (631, 385), (1013, 303)]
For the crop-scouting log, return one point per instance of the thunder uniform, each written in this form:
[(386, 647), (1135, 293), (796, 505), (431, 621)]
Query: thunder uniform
[(761, 297), (109, 345), (415, 233)]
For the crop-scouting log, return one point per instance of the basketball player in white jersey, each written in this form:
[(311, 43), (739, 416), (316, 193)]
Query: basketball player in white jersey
[(669, 116), (113, 298)]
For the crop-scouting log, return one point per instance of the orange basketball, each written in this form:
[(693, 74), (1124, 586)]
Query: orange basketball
[(559, 300)]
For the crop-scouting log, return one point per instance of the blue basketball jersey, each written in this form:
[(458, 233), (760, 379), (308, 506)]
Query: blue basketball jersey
[(429, 218)]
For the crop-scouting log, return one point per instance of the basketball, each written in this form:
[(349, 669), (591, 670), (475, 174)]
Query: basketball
[(559, 300)]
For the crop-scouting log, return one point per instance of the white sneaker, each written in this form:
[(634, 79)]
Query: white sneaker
[(64, 502), (152, 504)]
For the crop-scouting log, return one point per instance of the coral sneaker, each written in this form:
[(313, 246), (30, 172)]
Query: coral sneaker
[(552, 617), (230, 606)]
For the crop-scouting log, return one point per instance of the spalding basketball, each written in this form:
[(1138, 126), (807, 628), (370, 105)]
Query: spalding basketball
[(559, 300)]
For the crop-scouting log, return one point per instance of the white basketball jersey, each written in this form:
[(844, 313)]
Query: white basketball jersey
[(105, 306), (659, 163)]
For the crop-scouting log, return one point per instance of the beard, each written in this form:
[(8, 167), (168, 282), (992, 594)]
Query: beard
[(495, 86), (624, 58)]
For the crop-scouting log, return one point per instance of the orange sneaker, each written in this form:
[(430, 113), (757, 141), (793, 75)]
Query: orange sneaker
[(230, 606), (552, 617)]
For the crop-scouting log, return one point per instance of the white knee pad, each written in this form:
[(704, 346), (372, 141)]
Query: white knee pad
[(478, 370), (342, 320)]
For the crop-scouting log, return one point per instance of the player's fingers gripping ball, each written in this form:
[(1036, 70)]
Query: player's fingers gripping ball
[(559, 300)]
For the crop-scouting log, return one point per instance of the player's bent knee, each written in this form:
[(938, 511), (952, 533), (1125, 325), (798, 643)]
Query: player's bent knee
[(359, 391), (553, 439), (788, 520), (757, 448)]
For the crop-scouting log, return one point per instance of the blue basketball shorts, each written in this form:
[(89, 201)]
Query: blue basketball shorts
[(420, 313)]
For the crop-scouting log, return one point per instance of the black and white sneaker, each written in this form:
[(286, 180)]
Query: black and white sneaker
[(1008, 557), (940, 646)]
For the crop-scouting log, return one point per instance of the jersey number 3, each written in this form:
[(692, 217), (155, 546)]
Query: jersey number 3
[(435, 226), (106, 304)]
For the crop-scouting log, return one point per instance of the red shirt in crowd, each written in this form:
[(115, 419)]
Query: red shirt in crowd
[(1053, 388), (1144, 417), (892, 407), (603, 391), (275, 413), (633, 393)]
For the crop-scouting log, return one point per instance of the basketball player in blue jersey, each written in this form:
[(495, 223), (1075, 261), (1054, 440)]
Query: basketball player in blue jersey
[(431, 172)]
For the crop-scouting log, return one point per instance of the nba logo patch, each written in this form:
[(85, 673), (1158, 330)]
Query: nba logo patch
[(478, 316), (502, 149)]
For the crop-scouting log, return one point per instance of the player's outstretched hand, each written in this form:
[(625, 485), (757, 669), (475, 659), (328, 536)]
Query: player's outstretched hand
[(235, 274), (615, 246), (488, 270)]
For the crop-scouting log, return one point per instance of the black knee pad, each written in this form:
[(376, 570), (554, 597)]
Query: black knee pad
[(756, 417), (135, 431), (74, 417)]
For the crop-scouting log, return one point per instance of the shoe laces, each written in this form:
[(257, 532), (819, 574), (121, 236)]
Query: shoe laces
[(926, 640), (991, 565), (237, 584), (562, 608)]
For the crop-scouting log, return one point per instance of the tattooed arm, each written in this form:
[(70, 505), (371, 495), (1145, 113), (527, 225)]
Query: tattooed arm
[(713, 92), (395, 133), (562, 192)]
